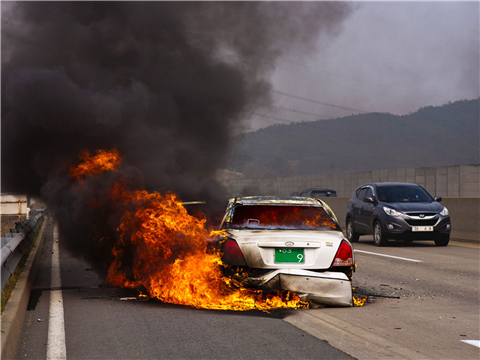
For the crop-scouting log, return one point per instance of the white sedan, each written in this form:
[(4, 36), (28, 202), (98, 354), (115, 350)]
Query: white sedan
[(289, 243)]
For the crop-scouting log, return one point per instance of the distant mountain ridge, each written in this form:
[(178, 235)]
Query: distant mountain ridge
[(432, 136)]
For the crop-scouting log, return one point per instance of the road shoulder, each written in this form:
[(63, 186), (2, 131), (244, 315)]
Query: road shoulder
[(343, 335)]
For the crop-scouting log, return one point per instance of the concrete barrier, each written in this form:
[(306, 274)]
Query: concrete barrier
[(464, 214), (445, 181)]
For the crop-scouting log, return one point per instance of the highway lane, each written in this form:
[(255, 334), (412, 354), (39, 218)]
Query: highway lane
[(421, 309), (101, 322), (423, 301)]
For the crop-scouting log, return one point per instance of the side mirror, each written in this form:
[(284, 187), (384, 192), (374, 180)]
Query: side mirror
[(437, 198), (369, 199)]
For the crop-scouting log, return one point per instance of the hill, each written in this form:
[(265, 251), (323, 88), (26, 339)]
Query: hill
[(432, 136)]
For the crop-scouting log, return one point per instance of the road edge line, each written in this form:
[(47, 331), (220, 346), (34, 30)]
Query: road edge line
[(16, 307), (56, 347)]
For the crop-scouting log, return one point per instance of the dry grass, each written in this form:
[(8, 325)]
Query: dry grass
[(8, 222)]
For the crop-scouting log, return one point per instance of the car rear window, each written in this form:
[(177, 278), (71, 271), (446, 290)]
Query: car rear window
[(403, 194), (268, 217), (324, 194)]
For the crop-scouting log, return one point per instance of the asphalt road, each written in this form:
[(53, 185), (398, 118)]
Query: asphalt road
[(421, 309), (423, 301), (100, 322)]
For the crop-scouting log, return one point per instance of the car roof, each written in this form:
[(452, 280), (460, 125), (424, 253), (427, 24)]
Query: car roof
[(318, 189), (380, 184), (274, 200)]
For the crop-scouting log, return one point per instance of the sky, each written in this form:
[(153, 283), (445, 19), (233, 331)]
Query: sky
[(390, 57)]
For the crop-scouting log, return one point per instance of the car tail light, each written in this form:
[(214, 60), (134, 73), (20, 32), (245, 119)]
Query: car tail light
[(232, 253), (344, 255)]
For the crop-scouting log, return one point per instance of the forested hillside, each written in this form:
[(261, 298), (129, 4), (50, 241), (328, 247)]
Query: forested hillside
[(432, 136)]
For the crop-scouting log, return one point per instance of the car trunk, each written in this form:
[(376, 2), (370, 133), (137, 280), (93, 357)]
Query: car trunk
[(288, 249)]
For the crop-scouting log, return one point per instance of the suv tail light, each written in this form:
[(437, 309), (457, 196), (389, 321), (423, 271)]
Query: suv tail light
[(344, 255), (232, 253)]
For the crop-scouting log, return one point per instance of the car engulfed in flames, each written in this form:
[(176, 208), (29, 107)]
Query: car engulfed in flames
[(291, 244), (269, 253), (149, 242)]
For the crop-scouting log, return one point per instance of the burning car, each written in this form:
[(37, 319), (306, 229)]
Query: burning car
[(290, 244)]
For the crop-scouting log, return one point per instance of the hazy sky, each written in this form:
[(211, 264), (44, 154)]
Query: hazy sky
[(389, 57)]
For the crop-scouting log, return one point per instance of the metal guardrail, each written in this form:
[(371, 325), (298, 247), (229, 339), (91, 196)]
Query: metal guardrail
[(13, 251)]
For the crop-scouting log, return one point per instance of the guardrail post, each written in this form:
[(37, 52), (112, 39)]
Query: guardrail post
[(13, 250)]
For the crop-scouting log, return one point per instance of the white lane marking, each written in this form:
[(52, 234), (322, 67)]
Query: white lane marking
[(56, 349), (472, 342), (390, 256)]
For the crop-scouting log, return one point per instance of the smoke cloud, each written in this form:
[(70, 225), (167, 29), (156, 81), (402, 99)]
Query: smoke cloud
[(166, 83)]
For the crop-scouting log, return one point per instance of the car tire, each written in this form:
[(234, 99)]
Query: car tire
[(379, 238), (443, 241), (352, 236)]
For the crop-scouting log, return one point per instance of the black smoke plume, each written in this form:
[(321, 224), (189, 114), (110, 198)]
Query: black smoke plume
[(165, 83)]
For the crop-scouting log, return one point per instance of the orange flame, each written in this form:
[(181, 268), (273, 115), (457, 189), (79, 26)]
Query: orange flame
[(359, 302), (164, 249), (102, 161), (284, 217), (321, 221)]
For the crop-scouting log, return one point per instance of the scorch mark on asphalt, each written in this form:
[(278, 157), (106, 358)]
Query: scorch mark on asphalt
[(389, 256)]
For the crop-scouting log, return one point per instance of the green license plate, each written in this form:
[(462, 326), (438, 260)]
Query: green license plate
[(289, 255)]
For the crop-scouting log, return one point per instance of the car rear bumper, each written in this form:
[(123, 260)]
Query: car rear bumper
[(326, 288)]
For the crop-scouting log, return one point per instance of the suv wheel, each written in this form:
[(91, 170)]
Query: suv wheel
[(351, 235), (379, 238), (443, 241)]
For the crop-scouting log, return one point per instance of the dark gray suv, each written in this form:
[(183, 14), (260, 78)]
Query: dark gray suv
[(400, 211)]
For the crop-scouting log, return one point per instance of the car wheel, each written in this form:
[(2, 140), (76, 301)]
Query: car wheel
[(443, 241), (351, 235), (379, 238)]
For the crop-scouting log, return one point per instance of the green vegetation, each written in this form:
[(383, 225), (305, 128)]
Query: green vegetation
[(432, 136), (12, 282)]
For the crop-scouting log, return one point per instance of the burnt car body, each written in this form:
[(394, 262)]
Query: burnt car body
[(292, 244), (398, 211)]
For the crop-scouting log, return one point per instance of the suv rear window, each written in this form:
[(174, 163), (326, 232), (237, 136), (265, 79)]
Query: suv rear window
[(268, 217)]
